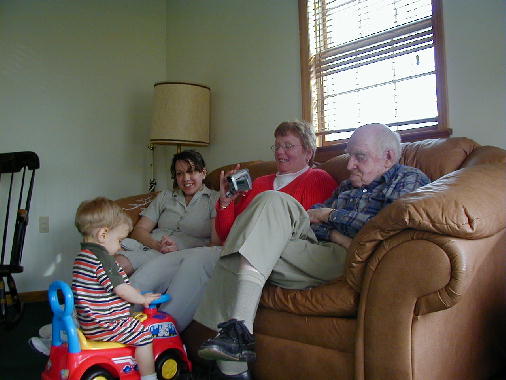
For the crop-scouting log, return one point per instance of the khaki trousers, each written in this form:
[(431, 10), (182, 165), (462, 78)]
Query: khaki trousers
[(274, 235)]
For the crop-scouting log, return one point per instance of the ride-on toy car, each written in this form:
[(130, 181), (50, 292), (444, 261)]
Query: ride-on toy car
[(82, 359)]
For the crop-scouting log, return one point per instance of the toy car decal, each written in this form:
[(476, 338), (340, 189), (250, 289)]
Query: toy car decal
[(163, 330), (124, 360), (64, 373), (129, 363), (129, 368)]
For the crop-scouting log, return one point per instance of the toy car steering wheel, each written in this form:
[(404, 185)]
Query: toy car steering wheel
[(162, 299)]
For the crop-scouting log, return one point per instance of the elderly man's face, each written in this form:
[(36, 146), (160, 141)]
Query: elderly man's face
[(366, 162)]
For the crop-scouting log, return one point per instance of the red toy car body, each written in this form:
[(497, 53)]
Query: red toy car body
[(79, 359)]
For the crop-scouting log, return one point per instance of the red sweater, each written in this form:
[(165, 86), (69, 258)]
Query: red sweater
[(313, 186)]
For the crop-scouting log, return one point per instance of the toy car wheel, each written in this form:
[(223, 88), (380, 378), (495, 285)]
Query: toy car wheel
[(168, 366), (97, 373)]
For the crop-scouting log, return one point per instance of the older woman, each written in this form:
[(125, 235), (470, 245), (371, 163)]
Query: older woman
[(294, 148)]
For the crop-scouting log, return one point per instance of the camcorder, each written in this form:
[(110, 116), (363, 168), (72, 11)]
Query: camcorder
[(239, 181)]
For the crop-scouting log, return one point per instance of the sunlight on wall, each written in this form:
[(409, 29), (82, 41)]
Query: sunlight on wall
[(52, 266)]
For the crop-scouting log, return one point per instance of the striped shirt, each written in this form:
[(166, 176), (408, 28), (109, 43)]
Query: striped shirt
[(102, 314), (353, 207)]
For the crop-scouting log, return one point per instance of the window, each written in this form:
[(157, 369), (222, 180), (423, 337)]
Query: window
[(367, 61)]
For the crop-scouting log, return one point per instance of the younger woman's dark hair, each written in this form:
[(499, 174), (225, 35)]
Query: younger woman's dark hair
[(192, 158)]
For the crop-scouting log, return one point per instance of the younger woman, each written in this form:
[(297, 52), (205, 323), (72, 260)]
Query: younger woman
[(175, 220)]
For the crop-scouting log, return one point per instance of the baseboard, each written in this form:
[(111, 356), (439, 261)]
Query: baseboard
[(28, 297)]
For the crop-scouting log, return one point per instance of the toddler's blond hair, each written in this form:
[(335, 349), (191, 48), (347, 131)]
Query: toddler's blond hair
[(100, 213)]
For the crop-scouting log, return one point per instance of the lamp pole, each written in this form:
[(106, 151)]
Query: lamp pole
[(152, 181)]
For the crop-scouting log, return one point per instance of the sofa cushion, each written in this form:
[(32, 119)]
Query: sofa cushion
[(335, 298), (437, 157), (334, 333)]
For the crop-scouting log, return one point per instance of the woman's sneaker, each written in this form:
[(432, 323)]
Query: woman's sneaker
[(234, 342)]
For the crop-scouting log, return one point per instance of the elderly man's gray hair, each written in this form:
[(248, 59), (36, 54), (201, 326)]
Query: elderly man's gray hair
[(385, 138)]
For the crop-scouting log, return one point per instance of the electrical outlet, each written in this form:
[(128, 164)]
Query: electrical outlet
[(43, 224)]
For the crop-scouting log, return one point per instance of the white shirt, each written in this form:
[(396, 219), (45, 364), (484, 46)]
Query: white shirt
[(282, 180)]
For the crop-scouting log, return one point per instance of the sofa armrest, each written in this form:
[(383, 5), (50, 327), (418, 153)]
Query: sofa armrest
[(403, 332), (468, 203)]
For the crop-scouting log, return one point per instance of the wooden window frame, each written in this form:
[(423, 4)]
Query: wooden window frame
[(328, 149)]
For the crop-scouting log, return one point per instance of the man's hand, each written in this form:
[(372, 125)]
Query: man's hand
[(167, 244), (339, 238), (319, 215)]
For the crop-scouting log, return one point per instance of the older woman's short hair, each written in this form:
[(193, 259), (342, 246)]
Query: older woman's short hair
[(301, 129)]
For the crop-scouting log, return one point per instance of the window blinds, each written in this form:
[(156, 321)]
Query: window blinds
[(371, 61)]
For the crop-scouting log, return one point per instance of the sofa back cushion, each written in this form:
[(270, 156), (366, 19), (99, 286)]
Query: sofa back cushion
[(336, 167), (437, 157), (135, 204), (256, 168), (485, 155)]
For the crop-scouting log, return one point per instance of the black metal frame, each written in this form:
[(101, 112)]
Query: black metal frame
[(11, 164)]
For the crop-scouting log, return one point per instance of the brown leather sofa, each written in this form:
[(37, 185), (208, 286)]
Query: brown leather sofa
[(424, 293)]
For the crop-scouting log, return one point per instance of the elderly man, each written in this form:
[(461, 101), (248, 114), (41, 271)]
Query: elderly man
[(276, 240)]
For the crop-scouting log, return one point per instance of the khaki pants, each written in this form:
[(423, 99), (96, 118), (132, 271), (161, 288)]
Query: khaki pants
[(274, 235), (181, 274)]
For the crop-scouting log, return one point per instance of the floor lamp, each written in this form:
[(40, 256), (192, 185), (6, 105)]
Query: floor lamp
[(180, 117)]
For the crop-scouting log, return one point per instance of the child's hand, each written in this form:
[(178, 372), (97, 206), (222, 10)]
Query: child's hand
[(167, 244), (150, 297)]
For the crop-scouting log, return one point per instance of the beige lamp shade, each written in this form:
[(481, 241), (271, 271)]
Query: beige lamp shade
[(180, 114)]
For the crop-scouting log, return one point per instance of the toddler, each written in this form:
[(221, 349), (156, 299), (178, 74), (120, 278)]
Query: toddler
[(102, 292)]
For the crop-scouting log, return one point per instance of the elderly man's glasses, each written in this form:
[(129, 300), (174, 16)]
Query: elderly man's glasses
[(285, 147)]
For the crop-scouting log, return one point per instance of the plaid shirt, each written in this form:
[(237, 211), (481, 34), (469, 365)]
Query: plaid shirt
[(353, 207)]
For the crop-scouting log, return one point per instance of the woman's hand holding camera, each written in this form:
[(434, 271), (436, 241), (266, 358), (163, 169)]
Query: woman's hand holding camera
[(224, 200)]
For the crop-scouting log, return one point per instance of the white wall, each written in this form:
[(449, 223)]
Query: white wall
[(76, 83), (248, 53), (475, 41)]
